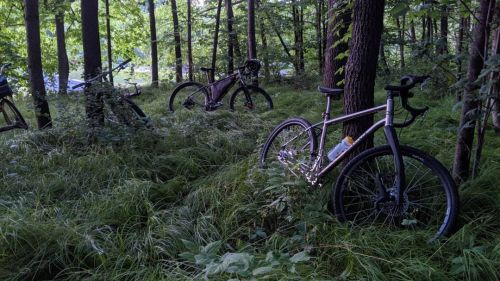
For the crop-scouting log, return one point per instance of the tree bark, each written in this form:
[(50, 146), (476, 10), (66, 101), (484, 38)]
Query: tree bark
[(252, 44), (401, 39), (361, 66), (177, 38), (109, 43), (465, 136), (32, 21), (216, 41), (383, 58), (282, 41), (442, 47), (413, 35), (230, 31), (154, 43), (62, 54), (495, 90), (92, 59), (338, 25), (189, 41), (319, 40)]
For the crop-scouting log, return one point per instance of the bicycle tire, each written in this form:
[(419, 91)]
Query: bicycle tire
[(12, 115), (127, 112), (308, 143), (350, 204), (238, 100), (197, 88)]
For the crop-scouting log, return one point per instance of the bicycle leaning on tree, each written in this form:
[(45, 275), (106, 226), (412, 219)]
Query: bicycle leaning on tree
[(12, 117), (393, 185), (118, 107), (191, 95)]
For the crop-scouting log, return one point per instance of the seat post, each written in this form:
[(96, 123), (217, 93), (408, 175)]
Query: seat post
[(328, 105)]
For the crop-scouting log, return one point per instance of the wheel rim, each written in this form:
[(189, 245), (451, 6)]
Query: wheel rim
[(11, 117), (290, 149), (256, 102), (424, 204), (189, 97)]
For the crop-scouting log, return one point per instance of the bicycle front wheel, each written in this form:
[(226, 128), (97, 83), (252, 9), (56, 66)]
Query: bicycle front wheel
[(125, 112), (189, 95), (291, 145), (255, 100), (12, 116), (364, 193)]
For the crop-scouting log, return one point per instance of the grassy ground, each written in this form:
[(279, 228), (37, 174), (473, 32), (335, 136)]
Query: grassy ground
[(187, 201)]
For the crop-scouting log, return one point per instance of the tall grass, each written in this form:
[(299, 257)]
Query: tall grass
[(187, 201)]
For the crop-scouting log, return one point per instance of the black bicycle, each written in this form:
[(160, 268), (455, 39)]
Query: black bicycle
[(191, 95), (12, 118), (393, 184), (118, 107)]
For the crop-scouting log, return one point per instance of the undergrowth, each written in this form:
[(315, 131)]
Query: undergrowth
[(187, 201)]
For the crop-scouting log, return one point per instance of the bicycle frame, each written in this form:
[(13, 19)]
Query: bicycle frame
[(236, 77), (390, 135)]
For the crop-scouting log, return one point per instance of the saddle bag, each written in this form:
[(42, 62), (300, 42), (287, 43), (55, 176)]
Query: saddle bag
[(220, 87), (5, 89)]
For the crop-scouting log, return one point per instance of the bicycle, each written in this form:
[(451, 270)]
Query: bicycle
[(119, 108), (209, 97), (392, 184), (12, 117)]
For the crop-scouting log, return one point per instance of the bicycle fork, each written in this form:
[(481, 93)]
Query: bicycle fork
[(392, 140)]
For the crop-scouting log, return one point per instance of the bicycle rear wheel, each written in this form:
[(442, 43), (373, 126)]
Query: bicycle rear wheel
[(256, 100), (290, 145), (188, 95), (12, 116), (364, 193)]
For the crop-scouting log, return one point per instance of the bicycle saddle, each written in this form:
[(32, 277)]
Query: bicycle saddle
[(335, 93)]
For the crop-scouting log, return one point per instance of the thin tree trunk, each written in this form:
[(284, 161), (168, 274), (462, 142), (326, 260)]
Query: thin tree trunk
[(92, 59), (189, 41), (319, 41), (37, 85), (465, 137), (252, 43), (401, 42), (495, 90), (462, 34), (424, 31), (324, 7), (216, 41), (265, 51), (230, 31), (296, 46), (177, 38), (338, 25), (278, 33), (62, 54), (154, 44), (443, 44), (383, 58), (109, 43), (361, 66), (301, 39), (413, 35)]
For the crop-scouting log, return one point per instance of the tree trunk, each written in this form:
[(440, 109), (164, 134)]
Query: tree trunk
[(216, 41), (154, 44), (465, 137), (495, 90), (401, 42), (338, 25), (319, 41), (109, 44), (92, 59), (413, 35), (230, 31), (62, 54), (442, 47), (265, 50), (424, 31), (252, 44), (177, 38), (383, 58), (189, 41), (361, 66), (282, 41), (32, 21)]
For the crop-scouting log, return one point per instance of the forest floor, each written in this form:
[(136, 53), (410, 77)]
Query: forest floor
[(187, 201)]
